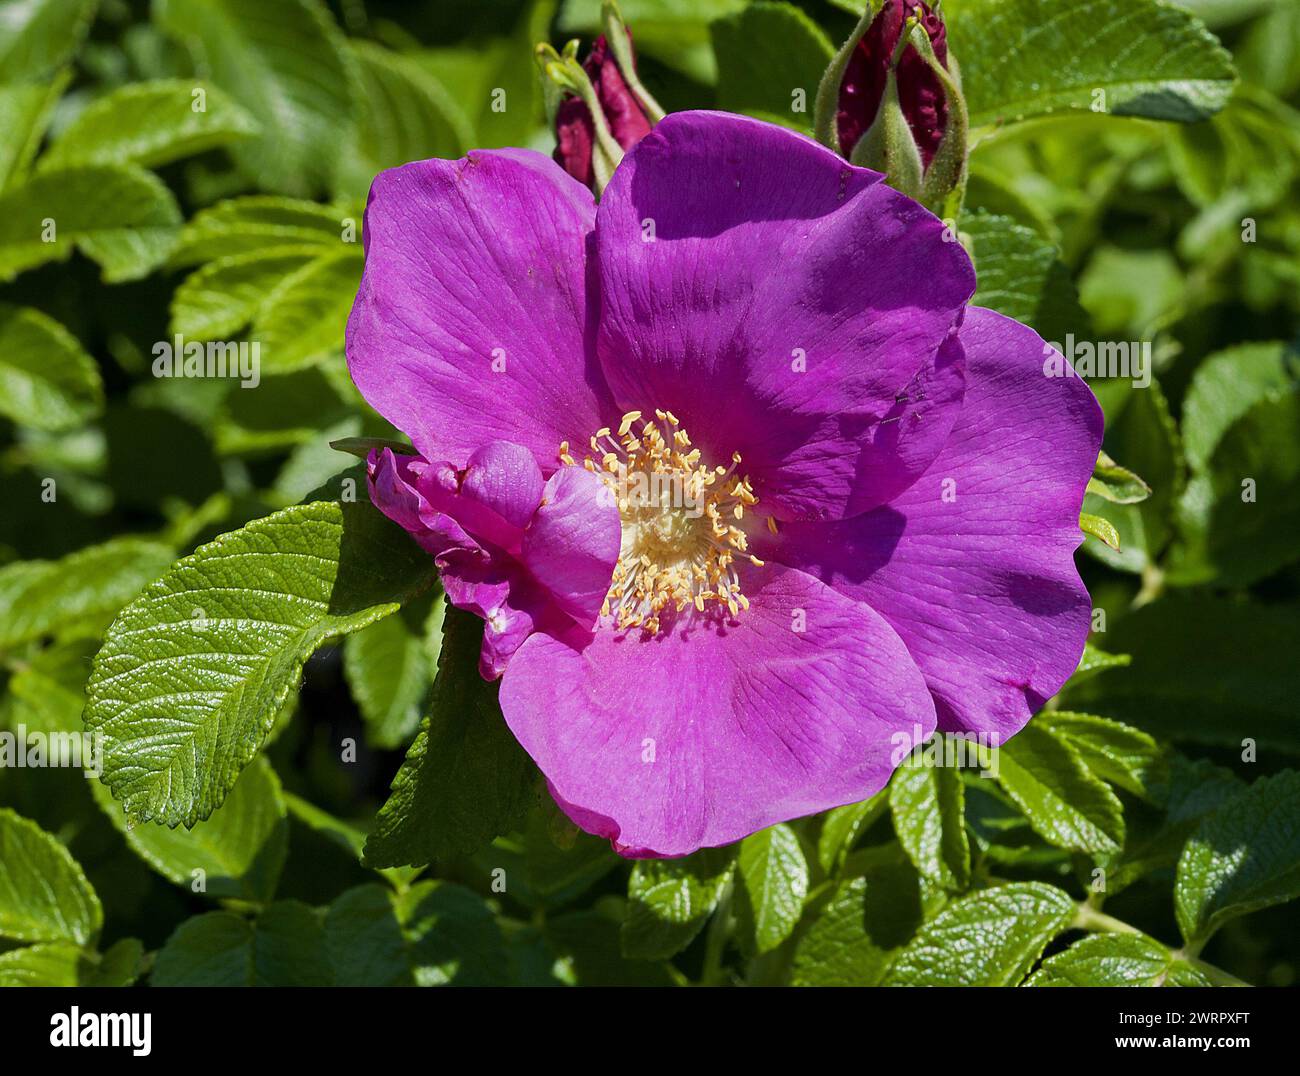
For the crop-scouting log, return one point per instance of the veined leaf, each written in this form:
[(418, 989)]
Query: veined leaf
[(193, 673), (281, 947), (1025, 58), (220, 298), (1243, 856), (47, 381), (24, 113), (258, 224), (40, 35), (1113, 960), (1065, 804), (406, 115), (301, 321), (774, 877), (120, 216), (770, 59), (1115, 752), (149, 124), (240, 849), (41, 597), (670, 900), (989, 938), (465, 779), (844, 825), (284, 61), (433, 934), (44, 896), (928, 805), (389, 668)]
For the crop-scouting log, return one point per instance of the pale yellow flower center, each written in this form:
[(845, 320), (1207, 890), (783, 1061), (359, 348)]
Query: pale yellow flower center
[(682, 536)]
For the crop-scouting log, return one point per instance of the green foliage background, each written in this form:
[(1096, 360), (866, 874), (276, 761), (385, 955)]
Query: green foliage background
[(1144, 829)]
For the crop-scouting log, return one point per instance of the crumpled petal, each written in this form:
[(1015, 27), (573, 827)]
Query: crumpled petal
[(704, 734), (782, 304), (973, 566), (469, 323), (519, 553)]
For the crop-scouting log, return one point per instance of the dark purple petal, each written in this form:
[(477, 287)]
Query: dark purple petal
[(469, 324), (973, 566), (698, 737), (769, 252)]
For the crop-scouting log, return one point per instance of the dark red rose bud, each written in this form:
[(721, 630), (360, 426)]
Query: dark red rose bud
[(920, 93), (574, 128)]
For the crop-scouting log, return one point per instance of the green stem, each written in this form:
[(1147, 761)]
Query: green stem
[(1090, 918), (715, 944)]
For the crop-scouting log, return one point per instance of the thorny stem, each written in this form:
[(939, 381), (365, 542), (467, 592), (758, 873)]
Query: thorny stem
[(716, 940)]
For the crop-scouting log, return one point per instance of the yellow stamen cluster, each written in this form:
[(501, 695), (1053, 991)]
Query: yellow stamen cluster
[(681, 543)]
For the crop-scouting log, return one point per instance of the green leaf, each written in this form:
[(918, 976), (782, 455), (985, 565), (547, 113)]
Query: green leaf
[(842, 826), (670, 900), (219, 299), (870, 915), (24, 114), (44, 896), (465, 779), (928, 805), (284, 946), (47, 381), (1225, 387), (47, 964), (1187, 792), (1021, 275), (990, 938), (560, 862), (1101, 529), (284, 61), (434, 934), (41, 35), (240, 849), (301, 321), (774, 874), (588, 942), (259, 224), (770, 59), (47, 691), (1112, 960), (1115, 752), (1141, 432), (1241, 518), (150, 124), (406, 115), (1116, 484), (1243, 857), (1065, 804), (1025, 58), (1197, 658), (1095, 661), (389, 669), (43, 597), (120, 965), (193, 673), (120, 216)]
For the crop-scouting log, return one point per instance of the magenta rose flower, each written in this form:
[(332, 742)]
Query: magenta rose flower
[(742, 488)]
